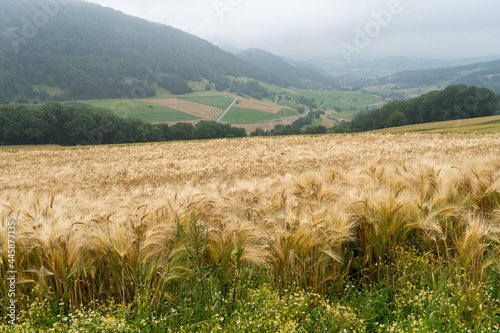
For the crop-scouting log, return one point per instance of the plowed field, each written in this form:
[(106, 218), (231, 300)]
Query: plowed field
[(191, 108), (260, 106)]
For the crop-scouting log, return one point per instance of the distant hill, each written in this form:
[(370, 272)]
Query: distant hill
[(483, 74), (302, 63), (412, 63), (83, 50), (295, 76), (231, 48)]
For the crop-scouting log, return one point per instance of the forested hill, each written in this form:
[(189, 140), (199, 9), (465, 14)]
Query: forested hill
[(295, 76), (91, 52)]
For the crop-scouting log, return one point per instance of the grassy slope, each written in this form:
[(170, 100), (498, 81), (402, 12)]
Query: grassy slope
[(52, 91), (482, 125), (287, 112), (241, 115)]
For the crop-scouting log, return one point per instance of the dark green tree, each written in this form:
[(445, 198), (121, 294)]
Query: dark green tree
[(397, 118)]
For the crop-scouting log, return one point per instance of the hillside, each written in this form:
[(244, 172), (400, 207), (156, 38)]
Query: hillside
[(297, 76), (84, 50)]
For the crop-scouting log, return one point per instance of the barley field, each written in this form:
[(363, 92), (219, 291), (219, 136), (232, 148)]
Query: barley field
[(353, 233)]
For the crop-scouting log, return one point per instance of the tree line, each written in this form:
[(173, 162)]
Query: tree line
[(302, 125), (55, 123), (69, 125), (455, 102)]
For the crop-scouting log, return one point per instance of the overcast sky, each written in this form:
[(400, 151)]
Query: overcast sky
[(331, 28)]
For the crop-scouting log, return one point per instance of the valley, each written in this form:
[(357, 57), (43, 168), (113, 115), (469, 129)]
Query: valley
[(279, 108)]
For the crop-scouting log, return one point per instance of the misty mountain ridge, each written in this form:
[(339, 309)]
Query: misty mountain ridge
[(303, 63), (412, 63), (482, 74)]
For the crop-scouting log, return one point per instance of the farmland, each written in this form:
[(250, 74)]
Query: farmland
[(194, 109), (417, 90), (208, 105), (264, 107), (219, 102), (347, 102), (351, 101), (327, 122), (313, 233), (167, 110), (146, 111)]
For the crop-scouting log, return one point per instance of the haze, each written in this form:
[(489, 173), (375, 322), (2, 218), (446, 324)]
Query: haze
[(318, 28)]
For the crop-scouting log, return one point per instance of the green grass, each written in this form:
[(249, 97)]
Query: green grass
[(141, 110), (130, 79), (244, 116), (219, 102), (346, 100), (288, 112), (401, 87), (335, 120), (162, 92), (316, 122), (198, 85), (241, 79), (275, 89), (52, 91), (290, 104)]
